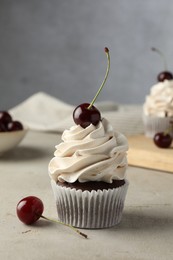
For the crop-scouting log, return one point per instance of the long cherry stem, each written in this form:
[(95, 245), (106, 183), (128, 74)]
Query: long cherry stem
[(105, 78), (161, 55), (68, 225)]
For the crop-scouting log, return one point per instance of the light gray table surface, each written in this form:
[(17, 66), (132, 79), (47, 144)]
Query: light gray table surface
[(145, 232)]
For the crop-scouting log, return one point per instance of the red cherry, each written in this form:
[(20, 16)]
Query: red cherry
[(84, 116), (29, 209), (5, 117), (2, 127), (14, 126), (7, 123), (162, 140), (164, 75)]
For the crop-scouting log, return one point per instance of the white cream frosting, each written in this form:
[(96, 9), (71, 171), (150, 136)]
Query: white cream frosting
[(94, 153), (160, 101)]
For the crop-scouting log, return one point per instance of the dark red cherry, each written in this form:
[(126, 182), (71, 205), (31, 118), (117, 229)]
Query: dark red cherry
[(2, 127), (84, 116), (5, 117), (164, 75), (162, 140), (29, 209), (14, 126)]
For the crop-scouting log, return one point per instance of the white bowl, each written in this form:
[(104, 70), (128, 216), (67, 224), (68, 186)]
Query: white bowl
[(9, 140)]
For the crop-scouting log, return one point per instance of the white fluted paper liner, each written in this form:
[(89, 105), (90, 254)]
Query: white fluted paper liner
[(153, 125), (85, 209)]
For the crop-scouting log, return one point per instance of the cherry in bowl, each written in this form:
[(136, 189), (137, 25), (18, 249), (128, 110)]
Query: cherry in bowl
[(5, 119), (11, 132), (8, 124)]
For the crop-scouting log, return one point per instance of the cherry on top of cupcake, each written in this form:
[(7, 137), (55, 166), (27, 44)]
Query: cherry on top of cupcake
[(7, 124), (164, 74), (162, 140), (86, 113)]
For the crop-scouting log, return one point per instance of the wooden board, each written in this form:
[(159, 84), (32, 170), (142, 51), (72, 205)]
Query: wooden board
[(144, 153)]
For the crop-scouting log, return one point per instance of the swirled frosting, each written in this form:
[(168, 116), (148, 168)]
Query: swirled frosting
[(160, 101), (94, 153)]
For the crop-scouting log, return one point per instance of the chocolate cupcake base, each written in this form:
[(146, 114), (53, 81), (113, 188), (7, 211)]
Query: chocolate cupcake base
[(100, 207)]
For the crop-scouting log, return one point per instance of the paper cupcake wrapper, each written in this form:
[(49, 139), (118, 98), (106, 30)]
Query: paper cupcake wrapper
[(153, 125), (95, 209)]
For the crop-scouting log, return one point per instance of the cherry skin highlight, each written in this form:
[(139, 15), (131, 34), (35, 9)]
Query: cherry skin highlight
[(7, 124), (84, 116), (162, 140), (29, 209)]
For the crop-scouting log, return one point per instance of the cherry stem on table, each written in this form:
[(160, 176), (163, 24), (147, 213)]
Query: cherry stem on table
[(68, 225)]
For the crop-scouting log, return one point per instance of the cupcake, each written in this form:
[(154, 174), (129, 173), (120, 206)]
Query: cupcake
[(88, 176), (88, 170), (158, 106)]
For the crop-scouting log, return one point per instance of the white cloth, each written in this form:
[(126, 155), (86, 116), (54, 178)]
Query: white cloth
[(43, 112)]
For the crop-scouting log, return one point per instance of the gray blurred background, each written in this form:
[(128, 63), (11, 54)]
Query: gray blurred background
[(57, 46)]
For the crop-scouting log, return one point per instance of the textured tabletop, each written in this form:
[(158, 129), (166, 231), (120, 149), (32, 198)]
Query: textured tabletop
[(145, 232)]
